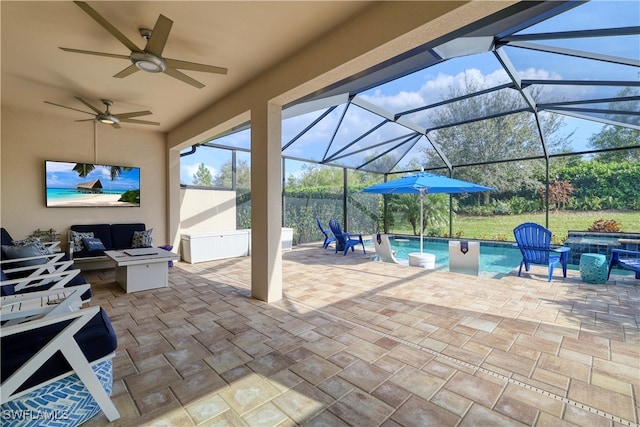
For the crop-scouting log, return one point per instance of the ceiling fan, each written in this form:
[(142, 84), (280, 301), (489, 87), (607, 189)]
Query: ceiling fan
[(106, 116), (150, 58)]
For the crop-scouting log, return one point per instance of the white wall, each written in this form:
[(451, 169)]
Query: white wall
[(28, 140), (204, 211)]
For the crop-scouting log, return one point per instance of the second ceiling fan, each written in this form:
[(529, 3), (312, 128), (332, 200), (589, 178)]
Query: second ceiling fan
[(150, 58), (107, 117)]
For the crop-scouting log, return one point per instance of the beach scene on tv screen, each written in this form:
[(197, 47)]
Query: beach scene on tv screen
[(91, 185)]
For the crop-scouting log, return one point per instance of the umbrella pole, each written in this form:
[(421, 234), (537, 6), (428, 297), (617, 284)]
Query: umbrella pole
[(421, 218)]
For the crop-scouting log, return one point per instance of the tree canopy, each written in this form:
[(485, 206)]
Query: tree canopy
[(202, 176)]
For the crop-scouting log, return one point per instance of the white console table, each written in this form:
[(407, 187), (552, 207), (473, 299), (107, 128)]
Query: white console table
[(142, 270)]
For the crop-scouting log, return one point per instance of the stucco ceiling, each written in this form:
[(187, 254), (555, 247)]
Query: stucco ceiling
[(244, 37)]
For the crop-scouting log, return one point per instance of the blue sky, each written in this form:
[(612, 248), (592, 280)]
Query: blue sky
[(61, 175), (430, 85)]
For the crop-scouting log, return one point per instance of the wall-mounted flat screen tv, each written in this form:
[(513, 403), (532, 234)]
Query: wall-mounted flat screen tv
[(91, 185)]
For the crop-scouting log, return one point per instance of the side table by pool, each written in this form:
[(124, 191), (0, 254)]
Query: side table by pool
[(142, 269)]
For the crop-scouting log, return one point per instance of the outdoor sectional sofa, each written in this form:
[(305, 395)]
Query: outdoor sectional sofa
[(112, 237)]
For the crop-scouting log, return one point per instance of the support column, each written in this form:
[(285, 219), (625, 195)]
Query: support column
[(266, 209), (173, 197)]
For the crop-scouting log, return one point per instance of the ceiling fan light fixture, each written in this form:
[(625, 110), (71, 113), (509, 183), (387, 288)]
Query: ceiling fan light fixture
[(148, 62), (107, 119)]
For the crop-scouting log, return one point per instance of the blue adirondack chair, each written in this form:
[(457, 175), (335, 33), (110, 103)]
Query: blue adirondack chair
[(534, 242), (344, 241), (630, 260), (328, 239)]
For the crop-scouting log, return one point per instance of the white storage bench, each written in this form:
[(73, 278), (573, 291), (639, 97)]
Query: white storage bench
[(201, 247)]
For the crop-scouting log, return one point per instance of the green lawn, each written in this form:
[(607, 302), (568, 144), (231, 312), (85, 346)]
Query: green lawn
[(501, 227)]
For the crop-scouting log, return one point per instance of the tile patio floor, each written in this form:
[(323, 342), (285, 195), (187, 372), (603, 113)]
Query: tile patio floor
[(362, 343)]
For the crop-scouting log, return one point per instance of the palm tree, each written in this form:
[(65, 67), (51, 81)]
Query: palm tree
[(435, 210), (85, 169)]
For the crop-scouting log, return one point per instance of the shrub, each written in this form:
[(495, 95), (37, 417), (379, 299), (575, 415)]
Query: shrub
[(130, 196), (501, 208), (484, 210), (605, 225)]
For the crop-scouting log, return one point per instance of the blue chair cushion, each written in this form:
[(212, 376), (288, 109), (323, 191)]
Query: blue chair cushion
[(78, 280), (13, 252), (96, 339), (5, 237), (6, 289)]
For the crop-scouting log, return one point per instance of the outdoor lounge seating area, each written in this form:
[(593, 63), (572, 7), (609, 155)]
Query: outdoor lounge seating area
[(378, 343)]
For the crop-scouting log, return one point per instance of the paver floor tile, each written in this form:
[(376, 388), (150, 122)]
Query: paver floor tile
[(474, 388), (265, 415), (358, 408), (364, 375), (144, 383), (607, 400), (480, 416), (207, 408), (417, 382), (417, 412), (248, 393), (315, 369), (302, 402), (451, 401), (270, 364), (383, 344)]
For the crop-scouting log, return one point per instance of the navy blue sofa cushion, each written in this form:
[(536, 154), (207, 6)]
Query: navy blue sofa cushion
[(122, 234), (113, 237), (96, 339), (100, 231)]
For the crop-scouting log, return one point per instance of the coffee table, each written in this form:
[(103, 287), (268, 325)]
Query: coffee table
[(143, 269)]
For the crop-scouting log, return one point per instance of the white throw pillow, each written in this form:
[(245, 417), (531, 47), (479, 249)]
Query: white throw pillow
[(142, 239)]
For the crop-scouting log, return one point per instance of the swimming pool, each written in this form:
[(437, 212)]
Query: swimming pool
[(496, 259)]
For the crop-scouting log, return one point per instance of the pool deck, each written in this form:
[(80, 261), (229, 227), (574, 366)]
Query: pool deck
[(357, 342)]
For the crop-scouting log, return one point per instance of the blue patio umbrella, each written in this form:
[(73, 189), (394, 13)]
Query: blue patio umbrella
[(426, 183)]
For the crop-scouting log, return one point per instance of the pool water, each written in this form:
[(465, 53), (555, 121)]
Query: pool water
[(496, 260)]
